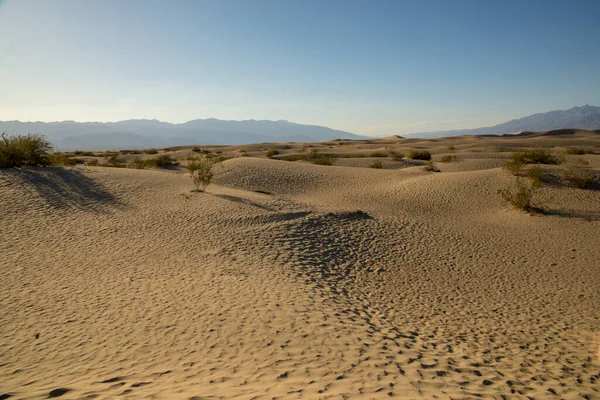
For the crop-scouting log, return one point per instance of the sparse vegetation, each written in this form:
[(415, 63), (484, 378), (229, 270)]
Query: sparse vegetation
[(397, 156), (138, 163), (20, 150), (513, 166), (536, 156), (430, 167), (92, 162), (575, 150), (521, 194), (419, 155), (536, 174), (293, 157), (84, 153), (271, 153), (377, 164), (378, 154), (151, 151), (448, 158), (451, 148), (61, 159), (162, 161), (579, 176), (201, 171), (320, 159)]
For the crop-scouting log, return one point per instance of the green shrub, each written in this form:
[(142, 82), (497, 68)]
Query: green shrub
[(151, 151), (138, 163), (20, 150), (447, 159), (293, 157), (377, 164), (320, 159), (575, 150), (397, 156), (201, 171), (536, 156), (536, 174), (271, 153), (419, 155), (61, 159), (162, 161), (521, 194), (513, 166), (578, 176), (92, 162), (379, 154)]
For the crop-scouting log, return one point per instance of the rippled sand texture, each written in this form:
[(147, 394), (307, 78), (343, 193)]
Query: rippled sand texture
[(123, 283)]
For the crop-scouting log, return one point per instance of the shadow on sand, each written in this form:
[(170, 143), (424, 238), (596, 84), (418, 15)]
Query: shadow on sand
[(66, 189)]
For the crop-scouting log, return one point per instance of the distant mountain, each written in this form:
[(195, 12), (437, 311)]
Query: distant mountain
[(585, 117), (136, 134)]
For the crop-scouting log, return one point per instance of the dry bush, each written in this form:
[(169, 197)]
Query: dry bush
[(151, 151), (575, 150), (92, 162), (397, 156), (447, 159), (378, 154), (377, 164), (271, 153), (320, 159), (579, 176), (451, 148), (162, 161), (419, 155), (20, 150), (201, 171), (536, 156), (61, 159), (138, 163), (293, 157), (521, 194), (430, 167), (536, 174)]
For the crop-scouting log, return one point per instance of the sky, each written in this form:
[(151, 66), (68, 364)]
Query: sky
[(368, 67)]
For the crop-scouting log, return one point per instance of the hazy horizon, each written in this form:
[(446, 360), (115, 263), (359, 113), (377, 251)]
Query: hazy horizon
[(370, 68)]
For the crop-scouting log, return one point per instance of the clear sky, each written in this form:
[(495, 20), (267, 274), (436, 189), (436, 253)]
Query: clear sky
[(371, 67)]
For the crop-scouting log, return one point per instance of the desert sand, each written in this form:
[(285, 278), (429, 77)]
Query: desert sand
[(293, 280)]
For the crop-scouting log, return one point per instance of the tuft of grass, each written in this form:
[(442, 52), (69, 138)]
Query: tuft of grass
[(271, 153), (575, 150), (21, 150), (419, 155), (138, 163), (521, 194), (447, 159), (92, 162), (377, 164), (378, 154)]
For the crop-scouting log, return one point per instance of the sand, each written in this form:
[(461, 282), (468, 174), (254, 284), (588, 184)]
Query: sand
[(293, 280)]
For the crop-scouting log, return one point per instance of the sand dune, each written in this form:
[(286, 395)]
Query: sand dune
[(293, 280)]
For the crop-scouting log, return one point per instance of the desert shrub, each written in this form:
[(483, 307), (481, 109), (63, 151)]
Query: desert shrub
[(397, 156), (536, 174), (20, 150), (430, 167), (376, 164), (92, 162), (138, 163), (271, 153), (293, 157), (124, 151), (578, 176), (419, 155), (84, 153), (379, 154), (162, 161), (447, 159), (151, 151), (61, 159), (575, 150), (513, 166), (320, 159), (451, 148), (536, 156), (201, 171), (135, 152), (521, 194)]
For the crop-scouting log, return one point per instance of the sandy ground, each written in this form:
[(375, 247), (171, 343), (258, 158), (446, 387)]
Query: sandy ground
[(120, 283)]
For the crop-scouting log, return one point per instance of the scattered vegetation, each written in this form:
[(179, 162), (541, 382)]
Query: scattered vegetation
[(397, 156), (92, 162), (579, 176), (84, 153), (151, 151), (138, 163), (447, 159), (61, 159), (162, 161), (201, 171), (293, 157), (575, 150), (536, 174), (536, 156), (451, 148), (271, 153), (430, 167), (20, 150), (419, 155), (377, 164), (320, 159), (521, 194)]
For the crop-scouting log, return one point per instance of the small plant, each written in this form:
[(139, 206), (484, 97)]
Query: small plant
[(513, 166), (575, 150), (84, 153), (20, 150), (320, 159), (536, 174), (135, 152), (397, 156), (379, 154), (536, 156), (419, 155), (447, 159), (243, 153), (293, 157), (451, 148), (151, 151), (521, 194), (377, 164), (124, 151), (271, 153), (430, 167), (201, 171), (578, 176), (93, 162), (138, 163), (61, 159), (162, 161)]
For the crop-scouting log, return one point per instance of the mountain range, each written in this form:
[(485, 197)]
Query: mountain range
[(584, 117), (142, 133)]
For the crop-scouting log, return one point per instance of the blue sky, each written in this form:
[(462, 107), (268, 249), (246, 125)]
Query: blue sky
[(371, 67)]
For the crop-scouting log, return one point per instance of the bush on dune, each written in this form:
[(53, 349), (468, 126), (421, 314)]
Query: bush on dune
[(201, 171), (420, 155), (21, 150), (521, 194)]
